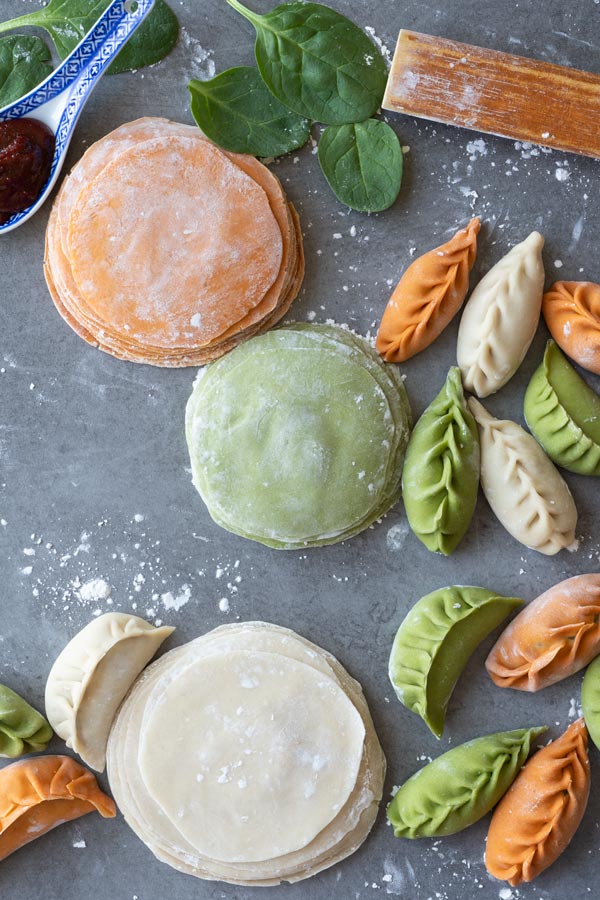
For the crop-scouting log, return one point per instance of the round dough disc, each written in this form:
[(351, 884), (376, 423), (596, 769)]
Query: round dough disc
[(250, 754), (293, 444), (180, 263)]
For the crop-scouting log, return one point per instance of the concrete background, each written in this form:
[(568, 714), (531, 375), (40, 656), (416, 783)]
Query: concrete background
[(94, 478)]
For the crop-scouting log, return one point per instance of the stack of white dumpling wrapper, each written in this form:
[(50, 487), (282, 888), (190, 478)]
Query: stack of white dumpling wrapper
[(248, 756)]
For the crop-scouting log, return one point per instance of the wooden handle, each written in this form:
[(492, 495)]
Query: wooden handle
[(497, 93)]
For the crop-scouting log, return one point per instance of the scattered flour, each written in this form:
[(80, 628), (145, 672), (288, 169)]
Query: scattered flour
[(95, 590), (201, 66), (477, 148), (396, 536), (176, 602), (79, 845)]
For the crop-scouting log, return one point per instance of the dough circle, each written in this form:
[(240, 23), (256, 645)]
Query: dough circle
[(267, 754), (247, 756), (180, 273), (297, 439)]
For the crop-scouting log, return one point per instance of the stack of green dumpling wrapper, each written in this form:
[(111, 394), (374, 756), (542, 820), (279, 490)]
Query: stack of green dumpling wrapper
[(297, 437)]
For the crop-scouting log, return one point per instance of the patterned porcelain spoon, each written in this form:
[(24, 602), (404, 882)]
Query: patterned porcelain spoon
[(57, 102)]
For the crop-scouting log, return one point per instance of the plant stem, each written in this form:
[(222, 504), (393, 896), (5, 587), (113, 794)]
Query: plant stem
[(11, 24), (246, 13)]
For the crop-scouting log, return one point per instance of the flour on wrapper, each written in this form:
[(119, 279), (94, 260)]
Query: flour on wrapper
[(501, 318)]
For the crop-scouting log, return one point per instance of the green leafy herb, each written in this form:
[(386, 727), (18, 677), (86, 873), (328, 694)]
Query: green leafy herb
[(68, 21), (362, 164), (317, 62), (153, 40), (24, 62), (238, 112)]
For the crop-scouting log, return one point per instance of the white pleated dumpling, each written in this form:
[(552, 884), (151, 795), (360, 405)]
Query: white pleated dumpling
[(91, 676), (523, 487), (501, 317)]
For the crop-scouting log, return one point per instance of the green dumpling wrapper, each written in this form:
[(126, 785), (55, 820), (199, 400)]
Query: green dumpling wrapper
[(297, 437), (461, 786), (434, 643), (22, 728), (563, 414), (441, 471)]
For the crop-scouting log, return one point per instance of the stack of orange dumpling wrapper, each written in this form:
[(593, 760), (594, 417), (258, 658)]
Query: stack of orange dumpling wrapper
[(162, 248)]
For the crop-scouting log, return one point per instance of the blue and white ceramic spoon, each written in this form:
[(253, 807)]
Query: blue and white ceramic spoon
[(58, 101)]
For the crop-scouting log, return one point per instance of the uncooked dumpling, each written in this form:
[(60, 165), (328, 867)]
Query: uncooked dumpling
[(501, 317), (522, 486), (92, 675), (297, 439), (38, 794)]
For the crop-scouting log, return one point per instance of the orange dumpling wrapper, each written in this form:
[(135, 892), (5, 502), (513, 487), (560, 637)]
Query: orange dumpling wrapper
[(572, 313), (428, 296), (556, 635), (541, 811), (40, 793)]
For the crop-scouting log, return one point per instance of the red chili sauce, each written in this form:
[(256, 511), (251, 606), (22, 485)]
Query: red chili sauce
[(26, 153)]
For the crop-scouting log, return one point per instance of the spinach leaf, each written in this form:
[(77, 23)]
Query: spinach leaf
[(362, 164), (238, 112), (24, 61), (318, 62), (67, 21), (153, 40)]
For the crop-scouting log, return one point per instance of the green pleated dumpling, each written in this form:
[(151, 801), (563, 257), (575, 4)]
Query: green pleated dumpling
[(297, 437), (590, 700), (434, 643), (563, 414), (22, 728), (461, 786), (441, 470)]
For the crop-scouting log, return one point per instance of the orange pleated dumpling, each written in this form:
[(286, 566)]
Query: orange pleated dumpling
[(554, 636), (38, 794), (572, 313), (541, 811), (428, 296)]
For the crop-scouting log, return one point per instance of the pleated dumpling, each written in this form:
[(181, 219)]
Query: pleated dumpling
[(563, 413), (501, 317), (523, 487), (440, 479), (22, 728), (91, 676), (40, 793), (428, 296), (572, 313), (461, 786), (434, 643), (541, 811), (590, 700), (555, 636)]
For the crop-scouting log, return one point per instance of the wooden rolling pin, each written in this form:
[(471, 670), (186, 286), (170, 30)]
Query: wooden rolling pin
[(496, 93)]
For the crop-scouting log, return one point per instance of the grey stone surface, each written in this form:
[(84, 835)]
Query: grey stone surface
[(89, 445)]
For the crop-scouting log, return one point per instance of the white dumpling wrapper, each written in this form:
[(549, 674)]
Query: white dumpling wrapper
[(344, 834), (501, 317), (267, 753), (92, 675), (523, 487)]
